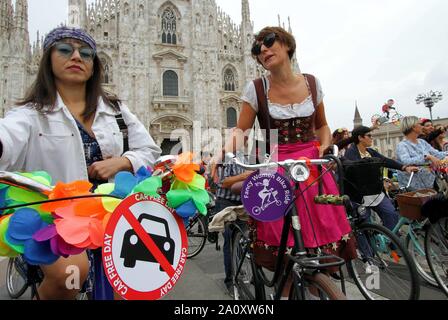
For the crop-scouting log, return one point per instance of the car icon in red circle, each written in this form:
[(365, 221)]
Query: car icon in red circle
[(133, 248)]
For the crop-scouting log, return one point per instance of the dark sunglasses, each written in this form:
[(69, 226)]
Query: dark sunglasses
[(368, 135), (67, 49), (268, 42)]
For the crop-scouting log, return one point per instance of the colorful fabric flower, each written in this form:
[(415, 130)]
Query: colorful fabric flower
[(184, 169), (82, 223), (66, 190), (58, 246), (22, 226)]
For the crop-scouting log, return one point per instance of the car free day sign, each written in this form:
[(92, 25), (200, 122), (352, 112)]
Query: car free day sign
[(145, 248)]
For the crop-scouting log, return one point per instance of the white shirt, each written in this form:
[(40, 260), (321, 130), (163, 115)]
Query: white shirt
[(372, 200), (281, 112), (36, 141)]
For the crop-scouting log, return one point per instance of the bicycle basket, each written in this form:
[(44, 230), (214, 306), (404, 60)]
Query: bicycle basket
[(363, 177), (410, 203)]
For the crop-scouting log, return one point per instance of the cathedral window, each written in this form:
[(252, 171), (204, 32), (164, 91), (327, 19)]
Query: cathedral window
[(229, 80), (141, 10), (231, 118), (170, 84), (126, 9), (107, 69), (169, 27)]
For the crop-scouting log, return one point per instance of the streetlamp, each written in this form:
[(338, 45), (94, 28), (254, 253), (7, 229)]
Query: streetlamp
[(429, 99)]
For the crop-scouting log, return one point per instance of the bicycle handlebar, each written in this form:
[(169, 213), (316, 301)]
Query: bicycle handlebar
[(16, 180), (286, 163)]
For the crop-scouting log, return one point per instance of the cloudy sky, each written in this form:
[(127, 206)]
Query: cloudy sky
[(366, 51)]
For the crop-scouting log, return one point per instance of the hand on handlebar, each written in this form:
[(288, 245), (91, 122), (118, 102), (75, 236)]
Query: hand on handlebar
[(410, 169)]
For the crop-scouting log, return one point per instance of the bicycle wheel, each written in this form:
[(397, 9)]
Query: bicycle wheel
[(396, 119), (383, 269), (247, 286), (197, 236), (436, 248), (417, 252), (317, 286), (16, 277)]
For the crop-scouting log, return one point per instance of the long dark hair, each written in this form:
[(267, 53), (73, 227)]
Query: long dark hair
[(43, 91)]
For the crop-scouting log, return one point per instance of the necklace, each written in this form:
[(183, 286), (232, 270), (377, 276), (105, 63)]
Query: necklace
[(364, 154)]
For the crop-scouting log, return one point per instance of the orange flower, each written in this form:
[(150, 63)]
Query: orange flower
[(184, 169), (66, 190)]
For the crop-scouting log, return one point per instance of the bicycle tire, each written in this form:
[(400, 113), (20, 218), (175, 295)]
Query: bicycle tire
[(327, 289), (388, 266), (247, 285), (433, 242), (420, 261), (197, 236), (13, 273)]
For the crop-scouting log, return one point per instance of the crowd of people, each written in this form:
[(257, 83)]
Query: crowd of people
[(68, 126)]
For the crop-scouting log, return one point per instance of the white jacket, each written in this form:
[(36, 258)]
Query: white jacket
[(33, 141)]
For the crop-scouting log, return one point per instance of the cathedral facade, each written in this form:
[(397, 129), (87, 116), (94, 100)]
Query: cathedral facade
[(175, 63)]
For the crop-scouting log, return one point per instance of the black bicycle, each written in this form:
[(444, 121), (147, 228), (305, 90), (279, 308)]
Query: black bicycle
[(308, 269), (197, 231), (384, 268)]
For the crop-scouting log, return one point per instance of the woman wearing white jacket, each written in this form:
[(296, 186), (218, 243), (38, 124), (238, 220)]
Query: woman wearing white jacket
[(67, 126)]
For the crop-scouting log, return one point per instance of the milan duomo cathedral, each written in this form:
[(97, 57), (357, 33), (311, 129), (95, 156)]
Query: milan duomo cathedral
[(172, 62)]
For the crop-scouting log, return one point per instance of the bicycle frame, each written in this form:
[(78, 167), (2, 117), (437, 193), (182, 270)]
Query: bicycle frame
[(299, 258), (412, 225)]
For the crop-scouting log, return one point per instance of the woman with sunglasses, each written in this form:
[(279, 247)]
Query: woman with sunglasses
[(293, 105), (362, 148), (67, 126)]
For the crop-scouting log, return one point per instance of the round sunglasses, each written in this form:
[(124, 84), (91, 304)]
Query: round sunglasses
[(268, 42), (67, 49)]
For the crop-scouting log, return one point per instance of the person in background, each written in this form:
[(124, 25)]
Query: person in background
[(67, 126), (338, 136), (415, 151), (362, 148), (227, 174), (439, 141), (429, 132)]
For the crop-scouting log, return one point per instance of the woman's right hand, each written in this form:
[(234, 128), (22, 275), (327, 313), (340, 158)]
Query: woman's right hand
[(435, 161)]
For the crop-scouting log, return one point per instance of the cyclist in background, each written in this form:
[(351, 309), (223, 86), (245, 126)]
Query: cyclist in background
[(389, 105), (362, 148), (415, 151), (67, 126)]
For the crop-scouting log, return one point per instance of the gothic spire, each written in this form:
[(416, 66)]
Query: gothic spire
[(77, 13), (245, 11), (6, 17), (358, 120), (21, 16)]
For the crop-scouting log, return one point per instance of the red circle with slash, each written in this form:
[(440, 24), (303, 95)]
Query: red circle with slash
[(144, 249)]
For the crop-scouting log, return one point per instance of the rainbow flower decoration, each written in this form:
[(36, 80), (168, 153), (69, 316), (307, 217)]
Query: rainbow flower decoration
[(45, 232)]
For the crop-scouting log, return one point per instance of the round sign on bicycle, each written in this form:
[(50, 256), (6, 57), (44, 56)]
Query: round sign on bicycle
[(145, 248), (266, 196)]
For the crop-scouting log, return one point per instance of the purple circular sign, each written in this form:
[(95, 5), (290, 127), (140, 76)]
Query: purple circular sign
[(266, 196)]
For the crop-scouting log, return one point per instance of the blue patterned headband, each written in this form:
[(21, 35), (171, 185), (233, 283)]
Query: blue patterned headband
[(60, 33)]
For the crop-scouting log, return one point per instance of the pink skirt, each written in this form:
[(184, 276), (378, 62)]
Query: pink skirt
[(321, 224)]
